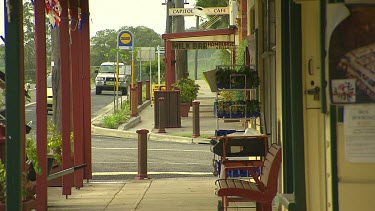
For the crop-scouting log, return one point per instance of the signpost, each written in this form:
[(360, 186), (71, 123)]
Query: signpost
[(125, 41)]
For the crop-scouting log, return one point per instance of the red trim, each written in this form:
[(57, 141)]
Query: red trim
[(199, 33)]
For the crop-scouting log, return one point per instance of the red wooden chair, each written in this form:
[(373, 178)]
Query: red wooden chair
[(262, 191)]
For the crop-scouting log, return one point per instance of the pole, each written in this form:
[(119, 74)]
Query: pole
[(132, 85), (117, 73), (149, 57), (168, 25), (158, 64), (196, 52), (140, 64), (14, 108), (142, 154)]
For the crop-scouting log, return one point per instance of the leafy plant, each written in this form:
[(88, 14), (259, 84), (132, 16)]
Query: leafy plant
[(3, 184), (119, 117), (188, 89), (28, 187), (54, 142)]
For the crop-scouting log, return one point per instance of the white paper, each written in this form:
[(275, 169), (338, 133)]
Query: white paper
[(359, 133)]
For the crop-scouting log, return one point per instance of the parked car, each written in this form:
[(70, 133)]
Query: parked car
[(106, 77)]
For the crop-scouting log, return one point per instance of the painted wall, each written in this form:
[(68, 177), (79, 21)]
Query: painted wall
[(356, 180), (313, 118)]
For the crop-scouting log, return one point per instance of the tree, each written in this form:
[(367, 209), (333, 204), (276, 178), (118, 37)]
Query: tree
[(104, 44), (29, 40), (154, 70), (181, 55)]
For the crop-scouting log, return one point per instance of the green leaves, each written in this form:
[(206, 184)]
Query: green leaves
[(3, 184), (188, 89), (119, 117)]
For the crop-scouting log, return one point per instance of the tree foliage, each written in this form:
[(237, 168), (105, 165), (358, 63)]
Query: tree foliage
[(104, 44)]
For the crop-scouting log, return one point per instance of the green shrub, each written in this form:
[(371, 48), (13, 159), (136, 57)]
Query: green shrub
[(119, 117)]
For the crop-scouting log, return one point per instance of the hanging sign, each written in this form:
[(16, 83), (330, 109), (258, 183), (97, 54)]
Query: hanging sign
[(202, 45), (206, 11)]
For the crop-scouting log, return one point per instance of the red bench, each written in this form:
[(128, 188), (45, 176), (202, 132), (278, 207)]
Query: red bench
[(262, 191)]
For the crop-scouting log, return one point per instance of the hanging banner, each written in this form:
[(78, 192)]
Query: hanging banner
[(352, 54)]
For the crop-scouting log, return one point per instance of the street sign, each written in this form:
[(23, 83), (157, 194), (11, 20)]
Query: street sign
[(146, 54), (202, 45), (125, 40), (206, 11)]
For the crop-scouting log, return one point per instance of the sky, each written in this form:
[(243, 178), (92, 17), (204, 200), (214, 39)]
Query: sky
[(113, 14)]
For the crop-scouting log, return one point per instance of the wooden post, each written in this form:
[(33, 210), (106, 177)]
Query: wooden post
[(147, 89), (77, 93), (139, 88), (161, 115), (133, 101), (142, 154), (86, 86), (196, 125), (41, 105), (65, 95)]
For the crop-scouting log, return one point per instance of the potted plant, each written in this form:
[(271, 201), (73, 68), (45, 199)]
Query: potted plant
[(188, 92)]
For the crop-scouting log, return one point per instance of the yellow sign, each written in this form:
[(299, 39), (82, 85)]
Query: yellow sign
[(125, 38)]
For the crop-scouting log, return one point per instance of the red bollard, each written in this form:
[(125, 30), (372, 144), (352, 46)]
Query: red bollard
[(161, 115), (139, 85), (142, 154), (147, 89), (196, 124), (133, 102)]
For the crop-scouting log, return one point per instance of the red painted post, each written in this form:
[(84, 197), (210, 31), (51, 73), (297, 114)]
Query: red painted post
[(170, 61), (76, 95), (65, 95), (162, 115), (41, 104), (139, 88), (147, 89), (142, 154), (133, 101), (196, 124), (86, 87)]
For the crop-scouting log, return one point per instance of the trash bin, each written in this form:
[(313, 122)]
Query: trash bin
[(172, 104)]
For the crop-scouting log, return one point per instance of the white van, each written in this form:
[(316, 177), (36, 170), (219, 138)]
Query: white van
[(106, 77)]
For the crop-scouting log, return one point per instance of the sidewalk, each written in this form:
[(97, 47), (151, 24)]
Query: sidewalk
[(188, 193)]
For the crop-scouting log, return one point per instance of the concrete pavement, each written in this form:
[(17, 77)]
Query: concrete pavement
[(189, 193)]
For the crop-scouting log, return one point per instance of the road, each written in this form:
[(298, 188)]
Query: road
[(117, 159)]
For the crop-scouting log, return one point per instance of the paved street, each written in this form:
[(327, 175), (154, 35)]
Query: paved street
[(116, 159)]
